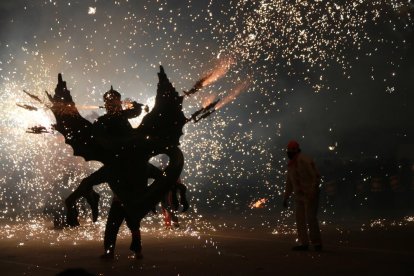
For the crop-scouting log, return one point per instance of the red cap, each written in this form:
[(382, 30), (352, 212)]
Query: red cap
[(293, 145)]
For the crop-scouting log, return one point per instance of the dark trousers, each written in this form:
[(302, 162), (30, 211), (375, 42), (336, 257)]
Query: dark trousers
[(116, 216)]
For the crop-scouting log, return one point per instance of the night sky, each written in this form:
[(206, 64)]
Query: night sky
[(335, 75)]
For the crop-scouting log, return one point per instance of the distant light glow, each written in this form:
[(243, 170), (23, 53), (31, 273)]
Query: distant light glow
[(92, 10)]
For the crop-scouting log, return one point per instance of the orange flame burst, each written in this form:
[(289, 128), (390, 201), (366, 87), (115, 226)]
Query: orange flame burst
[(87, 107), (218, 72), (208, 100), (233, 93), (258, 204)]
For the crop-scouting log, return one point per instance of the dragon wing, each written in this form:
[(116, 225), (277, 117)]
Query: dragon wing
[(163, 126), (166, 120), (76, 129)]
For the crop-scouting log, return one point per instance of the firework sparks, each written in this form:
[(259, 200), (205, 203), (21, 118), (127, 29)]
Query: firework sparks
[(271, 41), (218, 72)]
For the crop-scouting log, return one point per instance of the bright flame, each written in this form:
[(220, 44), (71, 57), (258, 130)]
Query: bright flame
[(258, 204), (208, 100), (221, 69), (233, 94), (87, 107)]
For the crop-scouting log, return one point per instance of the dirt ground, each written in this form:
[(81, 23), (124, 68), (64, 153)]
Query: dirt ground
[(375, 250)]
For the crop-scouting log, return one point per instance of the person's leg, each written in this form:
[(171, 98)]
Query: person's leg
[(116, 216), (135, 246), (84, 188), (136, 243), (174, 218), (313, 223), (167, 218), (300, 214), (172, 207)]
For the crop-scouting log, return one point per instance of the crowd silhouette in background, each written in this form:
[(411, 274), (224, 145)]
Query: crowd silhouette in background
[(368, 186)]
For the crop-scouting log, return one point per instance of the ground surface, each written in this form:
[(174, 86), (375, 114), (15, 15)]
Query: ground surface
[(367, 250)]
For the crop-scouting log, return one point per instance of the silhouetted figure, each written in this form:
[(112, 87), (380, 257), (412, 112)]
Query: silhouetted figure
[(110, 131), (158, 133), (170, 204), (116, 216), (125, 152), (303, 181)]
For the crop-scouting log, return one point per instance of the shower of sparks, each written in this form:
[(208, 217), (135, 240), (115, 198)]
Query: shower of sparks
[(315, 34), (244, 46)]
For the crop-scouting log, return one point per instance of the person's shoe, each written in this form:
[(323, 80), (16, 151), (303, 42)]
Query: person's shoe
[(107, 255), (302, 247), (318, 247), (138, 255), (135, 245)]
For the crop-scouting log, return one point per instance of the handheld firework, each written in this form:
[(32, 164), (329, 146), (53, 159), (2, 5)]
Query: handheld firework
[(38, 130), (198, 85), (27, 107), (204, 112)]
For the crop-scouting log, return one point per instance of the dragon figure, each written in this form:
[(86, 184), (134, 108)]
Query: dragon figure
[(158, 133)]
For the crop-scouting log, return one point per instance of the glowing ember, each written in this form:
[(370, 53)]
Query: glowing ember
[(258, 204), (92, 10)]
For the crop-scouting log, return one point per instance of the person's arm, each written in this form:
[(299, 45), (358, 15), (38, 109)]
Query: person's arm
[(133, 112), (153, 171), (112, 142), (314, 175)]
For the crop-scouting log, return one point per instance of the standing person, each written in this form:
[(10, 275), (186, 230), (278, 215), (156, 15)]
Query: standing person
[(117, 215), (123, 168), (109, 130), (170, 204), (303, 181)]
